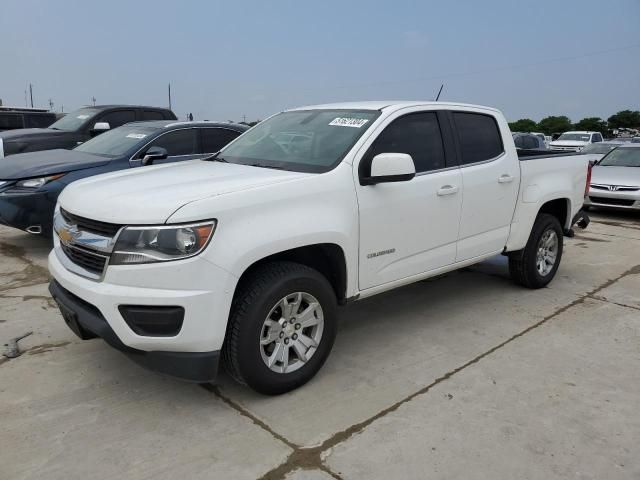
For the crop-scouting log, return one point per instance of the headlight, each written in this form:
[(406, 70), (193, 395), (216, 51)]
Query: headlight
[(37, 182), (161, 243)]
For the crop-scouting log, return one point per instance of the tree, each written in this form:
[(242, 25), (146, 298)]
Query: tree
[(552, 124), (625, 119), (592, 124), (523, 125)]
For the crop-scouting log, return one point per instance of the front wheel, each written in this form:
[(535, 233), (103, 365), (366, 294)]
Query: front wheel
[(537, 263), (281, 328)]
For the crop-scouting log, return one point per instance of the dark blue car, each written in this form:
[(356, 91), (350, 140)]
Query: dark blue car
[(30, 183)]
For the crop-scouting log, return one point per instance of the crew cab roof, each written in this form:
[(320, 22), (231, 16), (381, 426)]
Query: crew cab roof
[(388, 105)]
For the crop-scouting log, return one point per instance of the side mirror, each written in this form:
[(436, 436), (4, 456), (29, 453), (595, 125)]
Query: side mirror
[(100, 127), (390, 167), (153, 154)]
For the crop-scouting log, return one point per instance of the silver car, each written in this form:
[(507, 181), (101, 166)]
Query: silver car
[(615, 179)]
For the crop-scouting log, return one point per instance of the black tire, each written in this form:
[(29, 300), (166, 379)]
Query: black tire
[(522, 264), (256, 296)]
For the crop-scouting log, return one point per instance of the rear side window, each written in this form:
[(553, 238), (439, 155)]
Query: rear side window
[(151, 115), (416, 134), (213, 139), (178, 142), (479, 137), (118, 118), (38, 121), (9, 121)]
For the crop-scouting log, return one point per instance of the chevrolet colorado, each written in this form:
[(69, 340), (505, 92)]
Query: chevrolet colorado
[(243, 257)]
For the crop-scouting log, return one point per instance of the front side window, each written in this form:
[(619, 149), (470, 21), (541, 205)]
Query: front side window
[(213, 139), (479, 137), (416, 134), (621, 157), (152, 115), (118, 118), (596, 138), (178, 142), (301, 140)]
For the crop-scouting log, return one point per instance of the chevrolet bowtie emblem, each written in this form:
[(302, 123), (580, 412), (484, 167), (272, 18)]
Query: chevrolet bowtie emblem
[(67, 234)]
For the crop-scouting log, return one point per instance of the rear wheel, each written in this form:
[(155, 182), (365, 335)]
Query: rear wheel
[(537, 263), (281, 328)]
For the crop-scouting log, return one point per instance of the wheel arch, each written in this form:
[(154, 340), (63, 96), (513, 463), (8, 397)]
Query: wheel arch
[(327, 258)]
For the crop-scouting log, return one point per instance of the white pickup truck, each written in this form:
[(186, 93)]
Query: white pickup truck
[(242, 258)]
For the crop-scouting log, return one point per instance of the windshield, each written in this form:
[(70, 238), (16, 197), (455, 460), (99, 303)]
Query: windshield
[(598, 148), (73, 121), (303, 141), (621, 157), (581, 137), (118, 141)]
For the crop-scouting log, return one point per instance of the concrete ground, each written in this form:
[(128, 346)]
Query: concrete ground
[(464, 376)]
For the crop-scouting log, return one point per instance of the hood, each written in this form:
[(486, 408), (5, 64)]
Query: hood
[(568, 143), (629, 176), (47, 162), (150, 195), (24, 133)]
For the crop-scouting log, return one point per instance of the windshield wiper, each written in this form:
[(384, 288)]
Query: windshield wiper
[(215, 158), (262, 165)]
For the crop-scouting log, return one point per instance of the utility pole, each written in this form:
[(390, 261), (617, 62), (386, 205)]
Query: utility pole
[(51, 105), (93, 99), (169, 96), (31, 94), (244, 119)]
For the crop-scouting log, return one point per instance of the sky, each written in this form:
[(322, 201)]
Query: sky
[(231, 60)]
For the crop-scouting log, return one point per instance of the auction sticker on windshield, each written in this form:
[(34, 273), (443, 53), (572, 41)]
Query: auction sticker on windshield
[(348, 122), (138, 136)]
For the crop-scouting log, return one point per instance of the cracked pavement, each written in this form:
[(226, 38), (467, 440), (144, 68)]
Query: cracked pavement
[(463, 376)]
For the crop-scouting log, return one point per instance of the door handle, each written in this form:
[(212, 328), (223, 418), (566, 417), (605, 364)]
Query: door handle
[(505, 178), (447, 190)]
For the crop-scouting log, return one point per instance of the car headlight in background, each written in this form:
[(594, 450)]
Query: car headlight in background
[(161, 243), (37, 182)]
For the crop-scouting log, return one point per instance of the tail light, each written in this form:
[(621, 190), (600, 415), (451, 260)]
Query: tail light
[(588, 184)]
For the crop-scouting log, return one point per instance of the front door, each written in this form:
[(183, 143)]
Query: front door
[(408, 228)]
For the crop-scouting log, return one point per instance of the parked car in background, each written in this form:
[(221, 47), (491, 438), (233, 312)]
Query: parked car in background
[(244, 257), (615, 179), (13, 118), (598, 150), (529, 141), (635, 140), (77, 127), (575, 141), (31, 182)]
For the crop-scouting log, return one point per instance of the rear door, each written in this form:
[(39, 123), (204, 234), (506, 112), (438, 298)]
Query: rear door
[(490, 178), (213, 139), (408, 228)]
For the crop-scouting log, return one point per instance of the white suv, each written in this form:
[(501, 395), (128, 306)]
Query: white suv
[(575, 141)]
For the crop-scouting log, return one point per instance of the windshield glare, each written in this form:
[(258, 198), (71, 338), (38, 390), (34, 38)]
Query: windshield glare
[(581, 137), (304, 140), (598, 148), (73, 121), (622, 157), (118, 141)]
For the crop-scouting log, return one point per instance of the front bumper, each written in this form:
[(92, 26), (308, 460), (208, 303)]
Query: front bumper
[(86, 321), (621, 200), (28, 210), (203, 290)]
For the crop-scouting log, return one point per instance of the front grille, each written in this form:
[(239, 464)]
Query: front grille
[(88, 225), (612, 201), (85, 258), (618, 188)]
